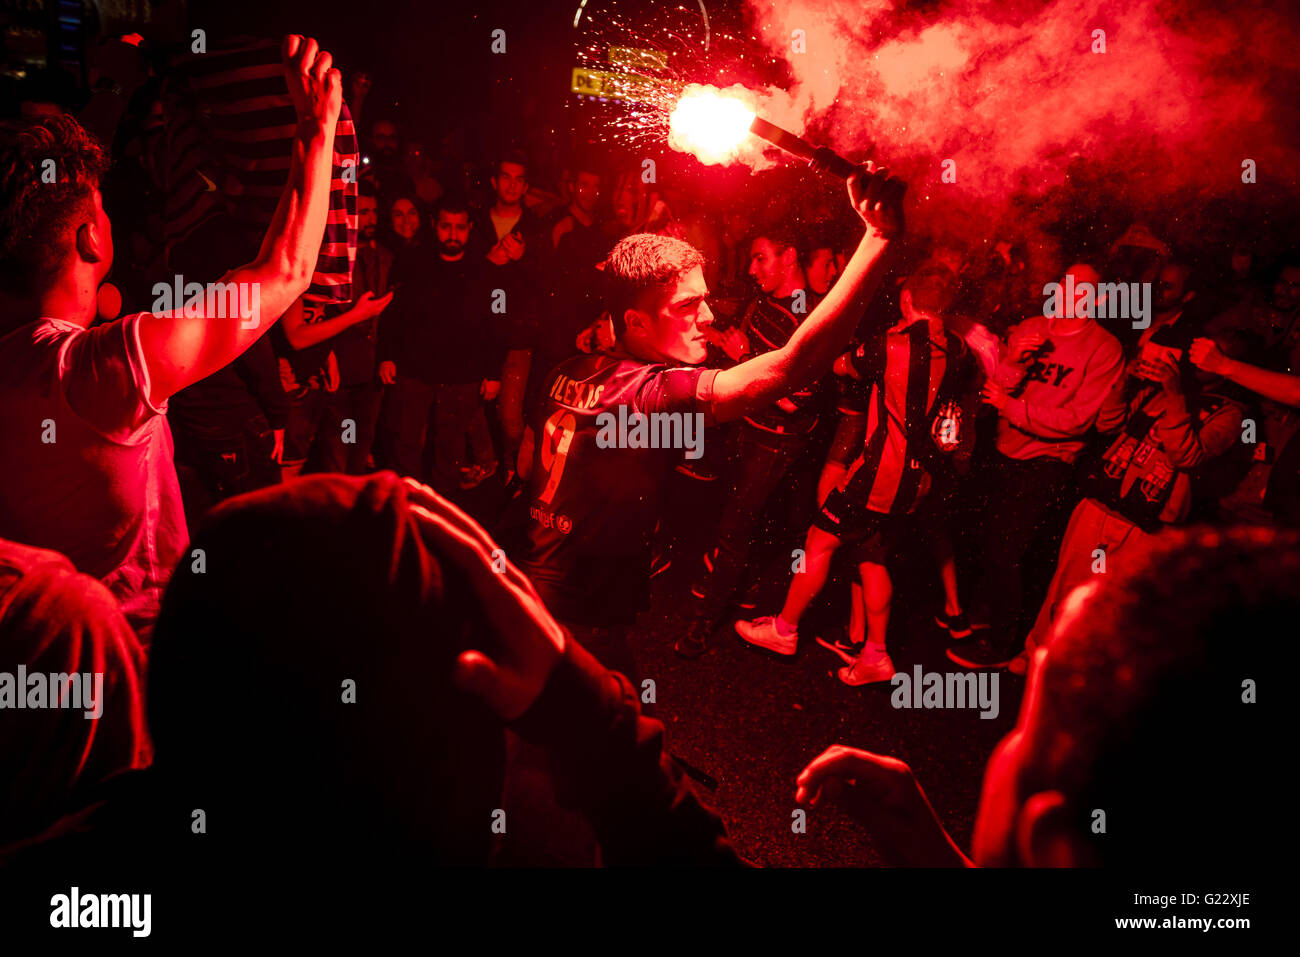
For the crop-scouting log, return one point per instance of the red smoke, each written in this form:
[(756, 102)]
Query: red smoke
[(1013, 93)]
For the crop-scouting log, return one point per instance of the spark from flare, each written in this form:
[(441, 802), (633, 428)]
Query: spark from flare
[(711, 124), (637, 70)]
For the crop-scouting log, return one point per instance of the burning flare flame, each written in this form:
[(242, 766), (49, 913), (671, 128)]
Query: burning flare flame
[(712, 124)]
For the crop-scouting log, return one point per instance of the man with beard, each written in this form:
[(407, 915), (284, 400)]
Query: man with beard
[(343, 339), (1276, 321), (442, 345), (1175, 322)]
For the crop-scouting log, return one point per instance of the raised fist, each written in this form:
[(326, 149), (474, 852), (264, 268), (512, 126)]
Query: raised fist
[(315, 87), (878, 199)]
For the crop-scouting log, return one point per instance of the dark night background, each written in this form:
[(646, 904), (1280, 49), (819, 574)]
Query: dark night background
[(748, 721)]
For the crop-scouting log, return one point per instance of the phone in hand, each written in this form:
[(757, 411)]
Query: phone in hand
[(1153, 354)]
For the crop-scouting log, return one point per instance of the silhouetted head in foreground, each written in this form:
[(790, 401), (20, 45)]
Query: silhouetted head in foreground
[(1138, 717), (300, 686)]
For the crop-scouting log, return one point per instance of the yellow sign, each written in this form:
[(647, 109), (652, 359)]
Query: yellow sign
[(614, 86)]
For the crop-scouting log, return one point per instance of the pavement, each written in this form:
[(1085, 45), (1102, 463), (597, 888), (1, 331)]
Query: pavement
[(752, 720)]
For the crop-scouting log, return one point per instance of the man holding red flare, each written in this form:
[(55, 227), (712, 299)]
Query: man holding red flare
[(593, 508)]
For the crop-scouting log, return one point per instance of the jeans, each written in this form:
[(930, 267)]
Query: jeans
[(1025, 507), (228, 459), (331, 450), (1098, 543), (459, 421), (304, 418), (460, 435), (412, 400)]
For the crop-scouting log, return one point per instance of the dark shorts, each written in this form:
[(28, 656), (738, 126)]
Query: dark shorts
[(875, 537), (847, 518)]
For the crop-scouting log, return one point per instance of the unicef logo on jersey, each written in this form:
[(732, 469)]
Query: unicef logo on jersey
[(560, 522)]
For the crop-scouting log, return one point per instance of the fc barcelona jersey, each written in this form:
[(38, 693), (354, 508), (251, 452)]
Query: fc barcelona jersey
[(595, 490)]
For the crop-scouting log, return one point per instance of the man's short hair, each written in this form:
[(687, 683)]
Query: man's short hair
[(38, 218), (640, 262), (510, 156), (450, 203), (819, 236), (933, 288), (1146, 686), (782, 233)]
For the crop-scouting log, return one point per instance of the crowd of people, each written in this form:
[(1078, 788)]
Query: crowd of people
[(181, 482)]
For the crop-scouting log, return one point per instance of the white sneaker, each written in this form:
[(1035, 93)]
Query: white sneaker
[(870, 667), (762, 632)]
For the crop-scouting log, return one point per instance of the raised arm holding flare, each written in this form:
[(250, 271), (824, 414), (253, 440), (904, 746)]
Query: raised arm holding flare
[(764, 379)]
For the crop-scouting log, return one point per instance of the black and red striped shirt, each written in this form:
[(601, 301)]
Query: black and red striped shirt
[(228, 140), (768, 323), (918, 395)]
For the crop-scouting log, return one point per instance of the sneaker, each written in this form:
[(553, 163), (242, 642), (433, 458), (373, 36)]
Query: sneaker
[(871, 666), (844, 649), (1019, 665), (762, 632), (956, 625), (749, 600), (980, 654), (695, 642)]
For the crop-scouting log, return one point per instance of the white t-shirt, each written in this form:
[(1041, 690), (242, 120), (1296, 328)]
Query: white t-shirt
[(88, 460), (504, 224)]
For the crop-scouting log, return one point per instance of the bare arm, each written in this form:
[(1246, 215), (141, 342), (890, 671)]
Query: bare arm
[(764, 379), (514, 377), (884, 796), (302, 334), (178, 350), (1278, 386)]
